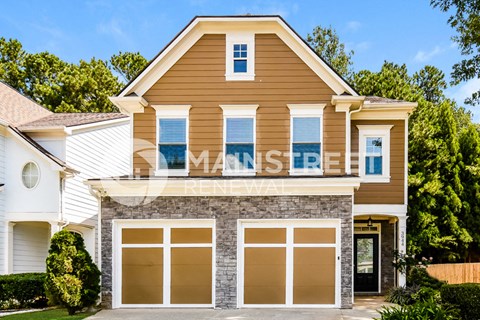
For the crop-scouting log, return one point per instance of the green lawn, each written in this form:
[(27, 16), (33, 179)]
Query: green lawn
[(54, 314)]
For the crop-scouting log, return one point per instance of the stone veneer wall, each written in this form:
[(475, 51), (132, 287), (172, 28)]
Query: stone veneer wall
[(227, 210), (387, 245)]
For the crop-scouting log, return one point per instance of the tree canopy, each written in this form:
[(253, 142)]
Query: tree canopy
[(66, 87), (465, 19), (326, 43)]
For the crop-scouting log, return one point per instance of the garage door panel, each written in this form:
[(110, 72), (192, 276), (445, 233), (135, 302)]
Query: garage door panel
[(142, 275), (191, 294), (314, 276), (142, 236), (313, 295), (265, 275), (191, 275), (264, 295), (314, 235), (265, 235), (191, 235)]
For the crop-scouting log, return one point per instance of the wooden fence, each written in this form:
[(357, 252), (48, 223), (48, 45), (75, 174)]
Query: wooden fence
[(456, 272)]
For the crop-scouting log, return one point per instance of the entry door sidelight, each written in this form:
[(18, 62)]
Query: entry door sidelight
[(366, 263)]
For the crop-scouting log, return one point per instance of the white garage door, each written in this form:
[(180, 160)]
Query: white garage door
[(164, 263), (289, 263)]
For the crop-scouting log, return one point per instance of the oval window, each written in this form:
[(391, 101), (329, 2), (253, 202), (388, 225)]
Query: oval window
[(30, 175)]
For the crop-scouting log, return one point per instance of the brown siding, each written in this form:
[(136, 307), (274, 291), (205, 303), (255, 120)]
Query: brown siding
[(198, 79), (384, 193)]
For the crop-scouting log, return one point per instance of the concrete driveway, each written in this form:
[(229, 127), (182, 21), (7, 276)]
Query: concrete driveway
[(365, 308)]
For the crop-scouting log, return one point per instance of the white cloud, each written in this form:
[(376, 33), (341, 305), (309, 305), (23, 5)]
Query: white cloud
[(114, 29), (353, 26), (425, 56)]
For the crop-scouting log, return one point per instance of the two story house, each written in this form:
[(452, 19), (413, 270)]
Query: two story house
[(260, 177), (44, 159)]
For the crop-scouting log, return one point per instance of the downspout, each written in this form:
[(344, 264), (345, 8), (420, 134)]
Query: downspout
[(348, 138)]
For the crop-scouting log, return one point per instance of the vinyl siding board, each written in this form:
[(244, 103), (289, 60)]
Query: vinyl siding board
[(30, 246), (95, 153), (2, 203), (383, 193), (198, 79)]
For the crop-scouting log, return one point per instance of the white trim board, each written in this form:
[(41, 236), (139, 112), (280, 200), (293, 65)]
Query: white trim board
[(380, 209), (227, 187)]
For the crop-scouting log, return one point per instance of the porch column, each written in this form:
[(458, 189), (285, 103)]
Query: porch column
[(9, 247), (54, 227), (402, 245)]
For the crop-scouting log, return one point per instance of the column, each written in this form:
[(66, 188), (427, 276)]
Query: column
[(402, 245), (54, 227), (9, 247)]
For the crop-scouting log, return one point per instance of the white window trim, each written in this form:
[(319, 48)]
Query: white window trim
[(248, 111), (166, 224), (289, 224), (172, 112), (247, 38), (39, 175), (382, 131), (306, 111)]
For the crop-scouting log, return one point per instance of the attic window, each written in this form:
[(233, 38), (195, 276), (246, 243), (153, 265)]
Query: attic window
[(30, 175), (240, 57)]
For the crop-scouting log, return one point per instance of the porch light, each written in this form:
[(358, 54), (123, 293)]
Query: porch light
[(369, 221)]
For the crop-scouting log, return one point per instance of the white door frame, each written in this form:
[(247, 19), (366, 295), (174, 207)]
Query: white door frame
[(166, 224), (289, 224), (379, 262)]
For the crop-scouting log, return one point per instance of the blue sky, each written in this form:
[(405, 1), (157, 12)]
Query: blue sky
[(403, 31)]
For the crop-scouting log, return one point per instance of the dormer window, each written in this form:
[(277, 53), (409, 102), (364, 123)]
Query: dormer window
[(240, 57)]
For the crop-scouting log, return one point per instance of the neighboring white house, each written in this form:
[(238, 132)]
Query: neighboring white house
[(44, 159)]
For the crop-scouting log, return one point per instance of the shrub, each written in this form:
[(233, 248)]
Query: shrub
[(401, 295), (419, 311), (72, 277), (23, 290), (465, 296), (420, 277), (410, 295)]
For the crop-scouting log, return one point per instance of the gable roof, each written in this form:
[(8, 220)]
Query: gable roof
[(70, 120), (201, 25), (16, 109), (44, 152)]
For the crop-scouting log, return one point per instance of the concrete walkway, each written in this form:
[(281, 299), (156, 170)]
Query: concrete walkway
[(364, 308)]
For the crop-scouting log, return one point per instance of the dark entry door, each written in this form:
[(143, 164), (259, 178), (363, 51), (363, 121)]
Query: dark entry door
[(366, 263)]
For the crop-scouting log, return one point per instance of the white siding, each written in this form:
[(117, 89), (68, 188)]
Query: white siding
[(44, 199), (3, 252), (95, 153), (30, 246)]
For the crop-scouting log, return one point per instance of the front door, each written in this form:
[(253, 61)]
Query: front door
[(366, 263)]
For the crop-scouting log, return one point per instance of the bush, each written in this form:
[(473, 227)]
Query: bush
[(72, 278), (419, 311), (410, 295), (465, 296), (23, 290), (419, 276)]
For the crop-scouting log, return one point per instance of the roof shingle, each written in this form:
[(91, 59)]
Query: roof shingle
[(16, 109), (70, 119)]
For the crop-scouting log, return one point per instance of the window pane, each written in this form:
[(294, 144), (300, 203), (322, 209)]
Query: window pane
[(365, 255), (239, 157), (306, 156), (236, 54), (240, 66), (244, 47), (306, 129), (173, 130), (240, 130), (172, 156), (373, 165), (374, 146), (236, 47)]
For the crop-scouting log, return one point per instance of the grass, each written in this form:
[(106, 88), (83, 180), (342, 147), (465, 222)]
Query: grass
[(53, 314)]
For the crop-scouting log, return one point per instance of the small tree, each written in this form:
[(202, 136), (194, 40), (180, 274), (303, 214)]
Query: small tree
[(72, 277)]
